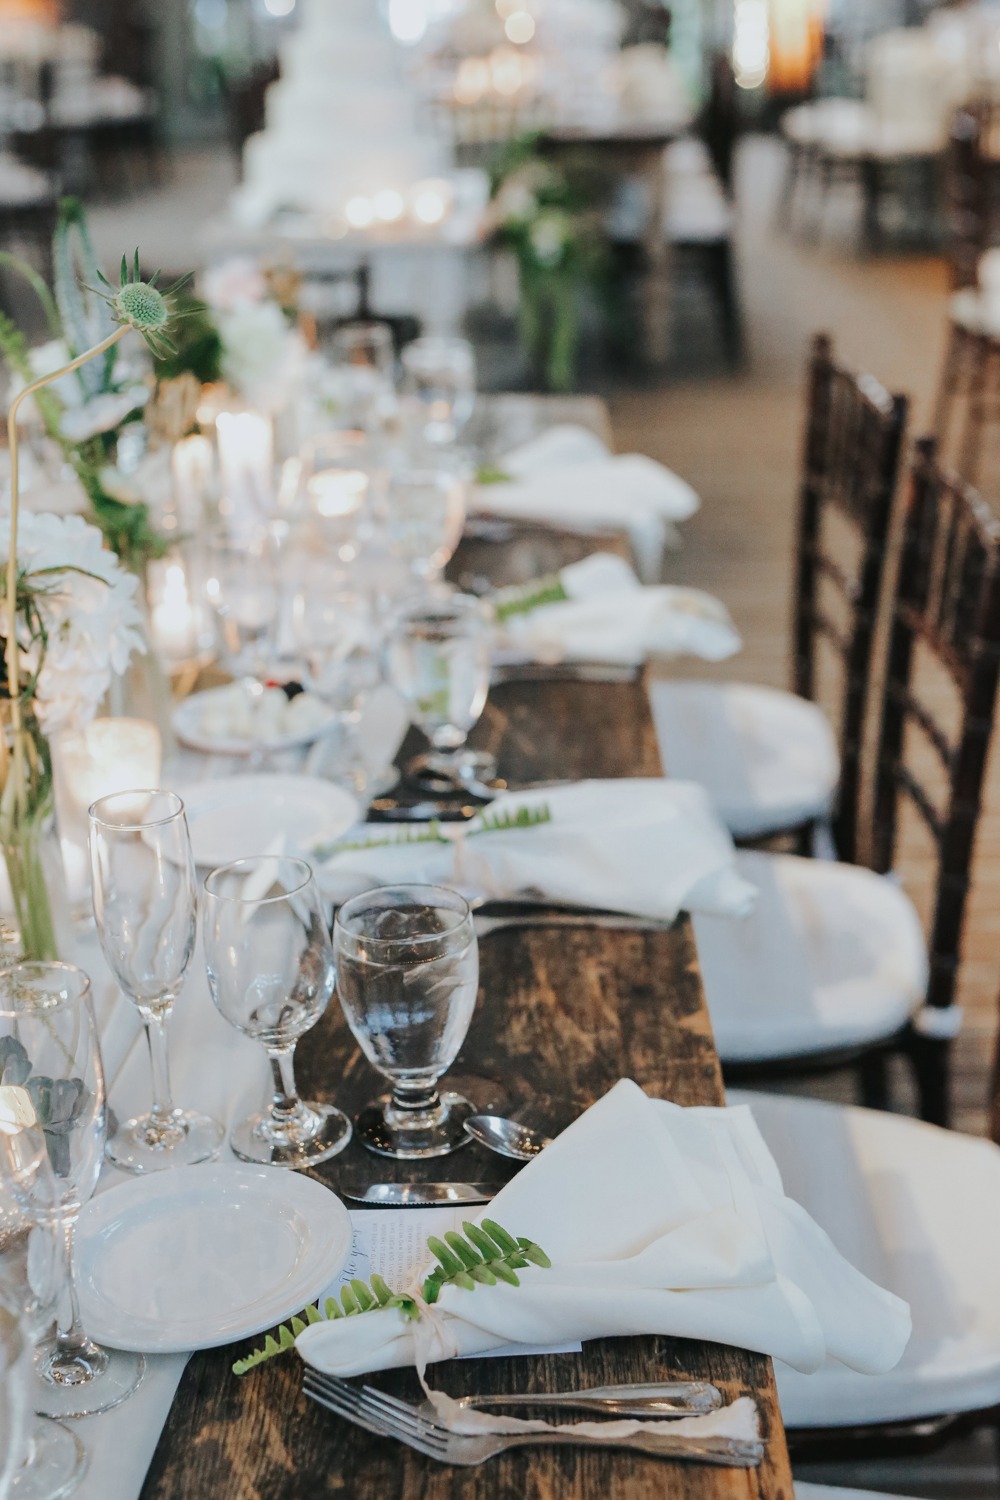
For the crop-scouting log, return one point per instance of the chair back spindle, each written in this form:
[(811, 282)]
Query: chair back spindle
[(854, 436)]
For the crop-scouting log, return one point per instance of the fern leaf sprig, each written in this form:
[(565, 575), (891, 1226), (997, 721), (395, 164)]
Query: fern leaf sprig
[(524, 817), (521, 601), (485, 1254), (503, 822)]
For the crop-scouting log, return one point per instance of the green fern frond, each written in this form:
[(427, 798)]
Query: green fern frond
[(521, 601), (503, 822), (485, 1254)]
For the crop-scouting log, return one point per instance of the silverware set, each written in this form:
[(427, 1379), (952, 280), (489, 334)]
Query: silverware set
[(421, 1428)]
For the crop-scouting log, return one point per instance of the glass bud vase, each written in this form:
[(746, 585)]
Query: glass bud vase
[(34, 907)]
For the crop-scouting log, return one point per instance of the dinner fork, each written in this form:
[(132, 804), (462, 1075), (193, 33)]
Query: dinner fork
[(385, 1416)]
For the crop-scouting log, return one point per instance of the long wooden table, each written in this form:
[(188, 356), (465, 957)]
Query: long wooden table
[(565, 1012)]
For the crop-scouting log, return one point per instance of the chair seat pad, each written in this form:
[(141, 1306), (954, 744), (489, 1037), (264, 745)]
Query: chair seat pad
[(918, 1210), (832, 957), (767, 759), (697, 211), (22, 186), (824, 1492)]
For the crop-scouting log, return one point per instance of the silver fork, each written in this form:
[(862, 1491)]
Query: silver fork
[(485, 922), (385, 1416)]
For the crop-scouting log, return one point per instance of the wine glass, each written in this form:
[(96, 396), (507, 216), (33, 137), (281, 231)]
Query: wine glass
[(334, 637), (364, 359), (49, 1040), (242, 588), (40, 1458), (407, 977), (439, 379), (146, 906), (270, 970), (425, 507), (439, 660)]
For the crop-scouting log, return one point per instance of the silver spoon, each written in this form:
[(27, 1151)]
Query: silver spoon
[(506, 1137)]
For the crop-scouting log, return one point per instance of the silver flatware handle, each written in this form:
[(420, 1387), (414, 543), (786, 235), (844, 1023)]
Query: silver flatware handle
[(729, 1453), (682, 1398), (419, 1194), (613, 921), (563, 671)]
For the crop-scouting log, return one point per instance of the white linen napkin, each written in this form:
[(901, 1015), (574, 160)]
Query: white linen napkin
[(656, 1219), (647, 846), (610, 616), (567, 478)]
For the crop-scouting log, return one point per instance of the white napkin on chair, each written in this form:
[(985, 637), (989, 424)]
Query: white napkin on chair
[(568, 479), (650, 847), (611, 617), (656, 1219)]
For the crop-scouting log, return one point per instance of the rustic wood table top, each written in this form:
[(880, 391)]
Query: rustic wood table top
[(560, 1013)]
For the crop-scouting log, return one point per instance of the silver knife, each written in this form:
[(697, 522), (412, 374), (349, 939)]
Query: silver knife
[(420, 1194)]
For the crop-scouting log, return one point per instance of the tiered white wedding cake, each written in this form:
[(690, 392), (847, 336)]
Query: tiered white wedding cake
[(341, 122)]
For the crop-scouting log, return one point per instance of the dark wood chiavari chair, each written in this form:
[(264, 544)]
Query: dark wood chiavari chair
[(854, 437), (947, 605)]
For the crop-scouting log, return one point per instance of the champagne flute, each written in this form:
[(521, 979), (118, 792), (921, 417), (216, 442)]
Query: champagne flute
[(407, 977), (146, 906), (270, 970), (48, 1036), (40, 1459)]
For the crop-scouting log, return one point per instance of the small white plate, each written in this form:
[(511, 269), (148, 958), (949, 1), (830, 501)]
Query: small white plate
[(235, 817), (203, 1256), (188, 718)]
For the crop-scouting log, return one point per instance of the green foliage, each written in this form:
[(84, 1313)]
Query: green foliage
[(524, 817), (85, 318), (57, 1102), (490, 474), (485, 1254), (520, 601), (197, 345)]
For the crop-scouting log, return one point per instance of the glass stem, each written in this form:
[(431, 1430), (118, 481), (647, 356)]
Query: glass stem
[(156, 1036), (416, 1098), (71, 1340), (285, 1102)]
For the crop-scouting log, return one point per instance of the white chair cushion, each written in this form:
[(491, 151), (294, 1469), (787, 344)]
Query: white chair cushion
[(823, 1492), (833, 956), (767, 759), (21, 186), (688, 157), (697, 210), (918, 1210)]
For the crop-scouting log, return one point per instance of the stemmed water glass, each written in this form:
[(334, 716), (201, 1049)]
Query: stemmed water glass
[(49, 1039), (438, 657), (146, 906), (364, 358), (407, 977), (270, 970), (439, 380), (40, 1459), (242, 588), (425, 509)]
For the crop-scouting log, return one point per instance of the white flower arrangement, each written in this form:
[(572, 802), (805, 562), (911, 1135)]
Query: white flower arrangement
[(263, 355), (79, 623)]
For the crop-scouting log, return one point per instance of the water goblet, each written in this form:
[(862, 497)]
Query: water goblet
[(407, 977), (439, 378), (270, 970), (146, 906), (40, 1458), (425, 506), (49, 1039), (364, 360), (438, 657), (241, 586)]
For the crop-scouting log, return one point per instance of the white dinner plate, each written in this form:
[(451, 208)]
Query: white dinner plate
[(187, 721), (203, 1256), (236, 817)]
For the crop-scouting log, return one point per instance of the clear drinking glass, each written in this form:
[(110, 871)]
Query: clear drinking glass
[(407, 977), (49, 1038), (425, 510), (40, 1459), (270, 970), (146, 906), (365, 361), (439, 380), (242, 587), (439, 660)]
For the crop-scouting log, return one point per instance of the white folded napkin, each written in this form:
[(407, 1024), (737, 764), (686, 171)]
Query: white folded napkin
[(567, 478), (609, 616), (656, 1219), (647, 846)]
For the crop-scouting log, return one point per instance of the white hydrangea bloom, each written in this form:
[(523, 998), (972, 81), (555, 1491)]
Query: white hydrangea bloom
[(88, 604), (262, 357)]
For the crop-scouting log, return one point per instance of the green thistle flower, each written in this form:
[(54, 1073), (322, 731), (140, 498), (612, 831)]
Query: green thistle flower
[(141, 305)]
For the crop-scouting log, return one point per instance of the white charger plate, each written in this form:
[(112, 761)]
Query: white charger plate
[(203, 1256), (235, 817), (188, 716)]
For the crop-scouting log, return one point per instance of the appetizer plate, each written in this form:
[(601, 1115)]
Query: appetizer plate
[(235, 817), (192, 716), (203, 1256)]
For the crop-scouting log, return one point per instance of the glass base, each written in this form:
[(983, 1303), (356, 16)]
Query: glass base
[(95, 1380), (57, 1461), (327, 1132), (411, 1135), (146, 1145), (471, 770)]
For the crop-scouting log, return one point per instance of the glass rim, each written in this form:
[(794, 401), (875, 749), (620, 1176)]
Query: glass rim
[(41, 967), (133, 826), (464, 911), (257, 859)]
